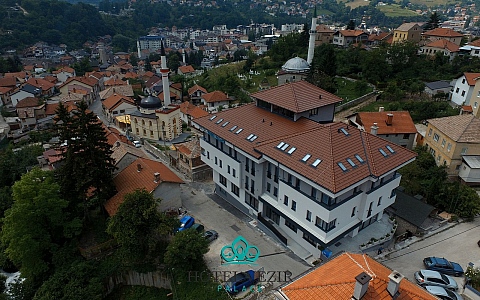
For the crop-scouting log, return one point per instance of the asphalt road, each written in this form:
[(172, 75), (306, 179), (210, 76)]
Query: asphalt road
[(458, 244)]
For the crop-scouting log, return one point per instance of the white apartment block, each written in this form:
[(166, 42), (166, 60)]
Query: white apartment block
[(305, 181), (463, 88)]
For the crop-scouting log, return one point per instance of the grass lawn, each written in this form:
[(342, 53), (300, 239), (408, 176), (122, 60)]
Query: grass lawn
[(139, 292), (432, 3), (347, 91), (355, 3), (394, 10)]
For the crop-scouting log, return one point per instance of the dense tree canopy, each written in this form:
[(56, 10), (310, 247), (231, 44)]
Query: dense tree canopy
[(185, 251)]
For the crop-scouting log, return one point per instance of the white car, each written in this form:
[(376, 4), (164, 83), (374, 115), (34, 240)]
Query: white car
[(137, 144), (427, 277), (443, 293)]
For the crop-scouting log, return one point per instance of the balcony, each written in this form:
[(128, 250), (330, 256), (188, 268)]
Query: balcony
[(397, 175)]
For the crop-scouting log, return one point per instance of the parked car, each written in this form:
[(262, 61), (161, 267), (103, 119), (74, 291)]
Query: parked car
[(186, 222), (443, 293), (443, 266), (137, 144), (198, 227), (428, 277), (240, 281), (210, 235)]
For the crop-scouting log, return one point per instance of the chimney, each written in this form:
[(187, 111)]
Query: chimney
[(361, 285), (139, 167), (381, 109), (374, 129), (157, 177), (389, 119), (394, 283)]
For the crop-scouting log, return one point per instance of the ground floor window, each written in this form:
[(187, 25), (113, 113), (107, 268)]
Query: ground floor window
[(251, 201), (309, 238), (273, 215), (235, 189), (223, 180), (290, 225)]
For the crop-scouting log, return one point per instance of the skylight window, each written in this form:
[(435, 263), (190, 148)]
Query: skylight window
[(390, 149), (316, 162), (250, 136), (213, 117), (292, 150), (351, 162), (360, 160), (284, 147), (306, 157), (383, 152), (253, 138), (344, 169), (225, 124), (280, 145), (233, 128), (238, 131), (344, 131), (219, 121)]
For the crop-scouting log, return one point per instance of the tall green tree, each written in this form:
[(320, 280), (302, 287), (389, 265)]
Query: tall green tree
[(325, 59), (186, 250), (433, 22), (37, 224), (351, 24), (138, 225), (85, 177)]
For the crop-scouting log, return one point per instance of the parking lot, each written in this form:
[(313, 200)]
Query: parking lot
[(458, 244), (230, 225)]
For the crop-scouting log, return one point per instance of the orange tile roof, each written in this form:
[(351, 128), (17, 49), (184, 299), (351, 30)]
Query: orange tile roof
[(215, 96), (130, 179), (475, 43), (443, 32), (8, 82), (40, 83), (186, 69), (298, 96), (4, 90), (177, 86), (195, 88), (401, 123), (197, 112), (115, 100), (336, 280), (444, 44), (471, 77), (114, 82), (51, 108), (85, 80), (28, 102), (352, 32), (467, 108), (20, 74)]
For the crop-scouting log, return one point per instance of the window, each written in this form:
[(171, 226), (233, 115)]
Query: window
[(253, 168), (220, 163), (463, 93), (252, 186), (216, 160), (290, 225), (285, 200), (297, 183), (354, 210), (443, 143), (406, 136), (464, 151), (449, 147), (369, 213), (463, 80), (379, 201), (456, 91), (289, 179), (208, 154), (233, 173), (325, 226), (313, 193), (439, 158), (309, 238), (269, 170), (430, 132), (327, 199), (252, 201), (247, 164), (228, 169), (294, 205), (275, 191), (309, 215), (393, 193), (268, 187), (475, 104), (246, 182), (457, 167), (235, 189), (223, 180), (436, 137)]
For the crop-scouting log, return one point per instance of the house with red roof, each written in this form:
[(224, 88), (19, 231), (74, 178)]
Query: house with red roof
[(442, 33), (307, 180), (89, 83), (215, 99), (443, 46), (394, 126), (187, 159), (150, 175), (64, 73), (187, 71), (29, 110), (463, 88), (118, 106), (352, 276), (343, 38), (189, 112), (47, 88), (195, 93)]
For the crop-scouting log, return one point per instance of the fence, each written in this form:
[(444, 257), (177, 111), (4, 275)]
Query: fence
[(156, 152), (155, 279), (356, 101), (98, 250)]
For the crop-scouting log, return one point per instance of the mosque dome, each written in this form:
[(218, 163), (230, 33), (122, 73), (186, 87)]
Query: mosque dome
[(151, 102), (296, 64)]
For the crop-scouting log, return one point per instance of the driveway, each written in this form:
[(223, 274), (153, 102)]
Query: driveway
[(458, 244), (230, 223)]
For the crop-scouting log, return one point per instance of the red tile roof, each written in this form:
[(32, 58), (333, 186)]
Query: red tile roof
[(40, 83), (197, 112), (401, 122), (471, 77), (85, 80), (336, 280), (186, 69), (298, 96), (443, 32), (195, 88), (353, 33), (130, 179), (8, 82), (115, 100), (28, 102), (215, 96), (444, 44), (114, 82)]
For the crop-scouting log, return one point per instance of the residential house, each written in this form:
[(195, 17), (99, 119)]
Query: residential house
[(274, 161), (472, 48), (5, 93), (150, 175), (195, 93), (215, 99), (51, 159), (437, 87), (463, 88), (187, 71), (24, 92), (176, 89), (352, 276), (189, 112), (151, 83), (124, 155), (442, 34), (324, 35), (410, 32), (440, 46), (344, 38), (117, 109), (47, 88), (90, 83), (474, 99), (187, 159), (124, 90), (21, 76), (450, 138), (114, 81), (64, 73), (469, 171), (375, 39), (29, 110), (413, 215), (394, 126)]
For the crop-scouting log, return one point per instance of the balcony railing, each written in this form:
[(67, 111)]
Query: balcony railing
[(383, 184)]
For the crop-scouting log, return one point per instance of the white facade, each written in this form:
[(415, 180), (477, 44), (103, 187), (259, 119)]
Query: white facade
[(20, 95), (462, 91), (300, 209)]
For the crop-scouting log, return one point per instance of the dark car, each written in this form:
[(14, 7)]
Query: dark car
[(443, 266), (428, 277), (210, 235), (198, 227), (240, 281), (186, 222)]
